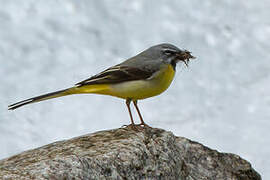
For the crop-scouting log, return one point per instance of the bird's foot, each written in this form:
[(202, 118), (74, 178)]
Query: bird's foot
[(144, 125), (136, 127)]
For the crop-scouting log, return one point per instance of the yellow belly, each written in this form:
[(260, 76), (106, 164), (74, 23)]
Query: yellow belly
[(141, 89)]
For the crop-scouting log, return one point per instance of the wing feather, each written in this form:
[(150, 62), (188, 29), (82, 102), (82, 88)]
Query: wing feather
[(117, 74)]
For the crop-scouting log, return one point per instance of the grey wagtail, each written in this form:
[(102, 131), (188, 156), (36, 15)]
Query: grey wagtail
[(142, 76)]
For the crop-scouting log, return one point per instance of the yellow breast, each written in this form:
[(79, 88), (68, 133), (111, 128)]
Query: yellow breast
[(141, 89)]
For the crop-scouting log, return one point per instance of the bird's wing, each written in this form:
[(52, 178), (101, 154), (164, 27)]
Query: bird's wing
[(117, 74)]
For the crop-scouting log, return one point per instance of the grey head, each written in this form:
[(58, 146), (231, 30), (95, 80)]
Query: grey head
[(169, 53), (155, 56)]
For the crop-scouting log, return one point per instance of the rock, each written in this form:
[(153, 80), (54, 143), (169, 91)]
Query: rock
[(126, 154)]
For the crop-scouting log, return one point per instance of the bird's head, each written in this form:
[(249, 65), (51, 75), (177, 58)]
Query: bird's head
[(172, 54)]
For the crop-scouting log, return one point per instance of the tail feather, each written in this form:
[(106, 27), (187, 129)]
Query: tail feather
[(41, 98), (98, 89)]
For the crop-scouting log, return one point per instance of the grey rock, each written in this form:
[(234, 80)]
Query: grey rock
[(148, 153)]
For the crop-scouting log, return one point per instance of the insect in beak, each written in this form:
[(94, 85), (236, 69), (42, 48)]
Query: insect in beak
[(185, 56)]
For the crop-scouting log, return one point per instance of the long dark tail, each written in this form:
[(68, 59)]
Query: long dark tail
[(42, 98)]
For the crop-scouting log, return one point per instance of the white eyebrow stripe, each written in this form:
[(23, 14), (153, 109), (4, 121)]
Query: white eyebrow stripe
[(167, 49)]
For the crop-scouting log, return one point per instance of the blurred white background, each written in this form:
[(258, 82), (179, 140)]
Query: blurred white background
[(222, 100)]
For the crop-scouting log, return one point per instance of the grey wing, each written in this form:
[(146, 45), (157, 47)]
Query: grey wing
[(117, 74)]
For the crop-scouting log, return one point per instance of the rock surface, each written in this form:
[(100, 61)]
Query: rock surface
[(126, 154)]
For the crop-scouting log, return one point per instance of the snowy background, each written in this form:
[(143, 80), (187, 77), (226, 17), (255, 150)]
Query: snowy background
[(222, 100)]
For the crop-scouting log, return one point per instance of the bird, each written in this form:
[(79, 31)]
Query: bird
[(142, 76)]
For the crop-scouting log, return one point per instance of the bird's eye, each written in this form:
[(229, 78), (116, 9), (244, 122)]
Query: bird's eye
[(168, 52)]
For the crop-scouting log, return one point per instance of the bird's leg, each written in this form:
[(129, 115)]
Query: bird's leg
[(138, 111), (129, 111)]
